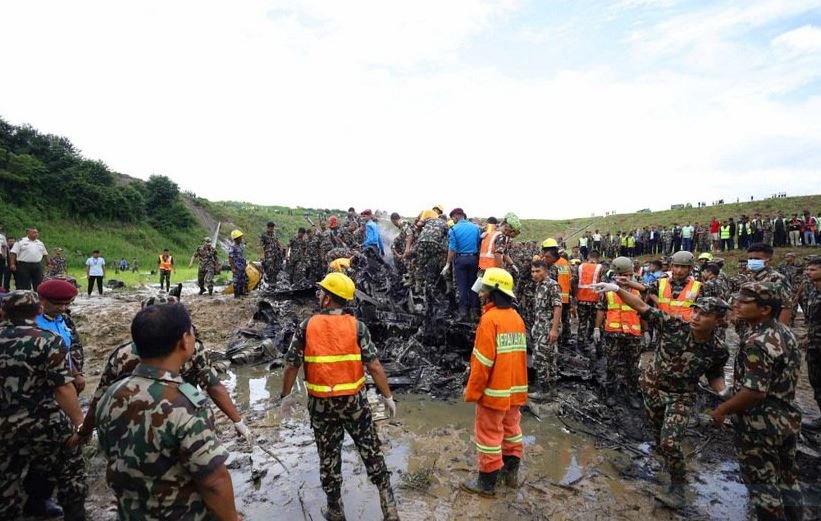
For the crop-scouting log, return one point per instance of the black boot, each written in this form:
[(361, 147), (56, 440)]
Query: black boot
[(202, 290), (42, 508), (484, 484), (74, 512), (610, 391), (388, 503), (335, 511), (812, 425), (509, 475)]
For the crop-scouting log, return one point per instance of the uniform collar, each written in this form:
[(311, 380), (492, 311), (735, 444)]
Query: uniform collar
[(155, 373), (331, 312), (57, 319)]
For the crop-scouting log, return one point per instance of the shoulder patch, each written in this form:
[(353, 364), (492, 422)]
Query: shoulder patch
[(192, 394)]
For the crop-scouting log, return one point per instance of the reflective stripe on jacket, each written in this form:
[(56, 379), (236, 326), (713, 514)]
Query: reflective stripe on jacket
[(588, 274), (487, 253), (498, 365), (681, 307), (621, 318), (563, 278), (167, 265), (333, 359)]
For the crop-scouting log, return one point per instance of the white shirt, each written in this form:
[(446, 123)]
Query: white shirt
[(28, 250), (596, 237), (95, 266), (3, 244)]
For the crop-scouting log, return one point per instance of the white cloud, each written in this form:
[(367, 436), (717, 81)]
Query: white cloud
[(802, 40)]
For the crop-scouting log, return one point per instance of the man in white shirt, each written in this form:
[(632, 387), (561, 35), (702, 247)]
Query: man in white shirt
[(26, 260), (4, 256), (95, 271), (687, 235)]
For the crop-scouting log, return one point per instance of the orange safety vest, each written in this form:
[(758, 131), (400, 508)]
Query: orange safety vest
[(681, 307), (621, 318), (498, 365), (487, 252), (588, 274), (563, 278), (167, 265), (333, 358)]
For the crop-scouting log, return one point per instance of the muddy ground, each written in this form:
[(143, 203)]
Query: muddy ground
[(582, 460)]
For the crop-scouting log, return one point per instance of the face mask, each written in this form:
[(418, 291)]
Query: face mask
[(477, 285), (755, 264)]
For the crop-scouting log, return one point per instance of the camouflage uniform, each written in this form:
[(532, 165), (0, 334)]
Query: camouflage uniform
[(208, 266), (783, 290), (767, 230), (271, 256), (347, 237), (811, 304), (56, 267), (669, 383), (667, 241), (237, 253), (622, 352), (546, 296), (431, 254), (33, 428), (398, 247), (314, 258), (713, 288), (296, 260), (332, 417), (157, 435), (769, 361)]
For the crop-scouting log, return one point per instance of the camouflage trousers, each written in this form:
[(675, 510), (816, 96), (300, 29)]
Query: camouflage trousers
[(768, 469), (564, 336), (330, 419), (240, 281), (586, 311), (271, 266), (544, 362), (622, 352), (430, 259), (41, 450), (668, 414), (814, 372), (205, 278)]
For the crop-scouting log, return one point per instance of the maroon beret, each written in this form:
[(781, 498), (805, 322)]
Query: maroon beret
[(57, 289), (366, 212)]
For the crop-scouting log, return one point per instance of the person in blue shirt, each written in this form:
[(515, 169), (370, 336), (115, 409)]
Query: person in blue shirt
[(464, 240), (372, 236), (653, 273)]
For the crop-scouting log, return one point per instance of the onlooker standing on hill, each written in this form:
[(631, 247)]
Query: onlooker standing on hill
[(780, 231), (744, 233), (810, 225), (794, 228), (715, 225), (95, 272), (676, 237), (4, 255), (732, 233), (687, 236), (597, 239), (8, 275), (165, 265), (26, 260)]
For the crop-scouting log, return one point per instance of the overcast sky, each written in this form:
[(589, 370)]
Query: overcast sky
[(551, 109)]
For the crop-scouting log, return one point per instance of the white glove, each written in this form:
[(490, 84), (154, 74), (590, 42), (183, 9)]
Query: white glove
[(244, 431), (647, 338), (604, 287), (445, 270), (596, 335), (288, 406), (390, 406)]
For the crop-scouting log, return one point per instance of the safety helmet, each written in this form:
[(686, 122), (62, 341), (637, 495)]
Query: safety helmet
[(440, 208), (450, 223), (513, 222), (340, 264), (339, 284), (497, 278), (427, 214), (622, 265), (706, 256), (236, 234), (682, 258), (575, 261), (550, 243)]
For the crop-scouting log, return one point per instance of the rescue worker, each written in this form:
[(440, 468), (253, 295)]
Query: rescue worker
[(165, 265), (675, 295), (270, 253), (686, 350), (759, 256), (560, 272), (401, 243), (487, 250), (208, 265), (546, 312), (236, 257), (766, 416), (622, 340), (498, 385), (431, 252), (333, 347), (703, 259), (511, 227), (589, 273), (811, 304)]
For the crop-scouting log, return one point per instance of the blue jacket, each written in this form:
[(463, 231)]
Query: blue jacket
[(464, 237), (372, 237)]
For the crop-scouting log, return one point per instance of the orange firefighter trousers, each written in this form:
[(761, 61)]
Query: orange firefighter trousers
[(497, 433)]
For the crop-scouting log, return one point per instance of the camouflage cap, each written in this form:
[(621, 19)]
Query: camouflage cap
[(158, 300), (712, 305), (789, 254), (758, 290), (20, 298)]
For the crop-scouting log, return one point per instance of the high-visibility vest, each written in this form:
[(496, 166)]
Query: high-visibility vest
[(681, 307), (725, 231), (487, 253), (621, 318), (624, 241), (588, 274), (498, 365), (631, 242), (333, 359), (167, 265), (582, 242), (563, 278)]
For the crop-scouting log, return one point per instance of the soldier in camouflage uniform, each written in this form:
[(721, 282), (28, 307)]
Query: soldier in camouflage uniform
[(810, 299), (399, 244), (37, 434), (236, 257), (314, 258), (208, 261), (546, 310), (766, 416), (346, 234), (56, 265), (791, 269), (767, 230), (431, 251), (156, 431), (759, 256), (711, 285), (271, 253), (297, 249), (337, 402), (667, 240)]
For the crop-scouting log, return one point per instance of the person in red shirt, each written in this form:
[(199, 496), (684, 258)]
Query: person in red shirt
[(715, 226)]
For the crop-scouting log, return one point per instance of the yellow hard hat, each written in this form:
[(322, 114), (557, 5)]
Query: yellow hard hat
[(550, 243), (575, 261), (706, 255), (236, 234), (497, 278), (340, 264), (427, 214), (450, 223), (339, 284), (440, 207)]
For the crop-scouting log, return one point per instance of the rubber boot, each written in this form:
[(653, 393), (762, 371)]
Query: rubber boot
[(673, 497), (210, 291), (335, 510), (36, 507), (74, 512), (509, 475), (484, 484), (202, 290), (388, 503)]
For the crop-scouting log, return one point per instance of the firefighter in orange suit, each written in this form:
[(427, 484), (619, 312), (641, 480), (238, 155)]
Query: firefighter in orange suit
[(334, 346), (498, 384)]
